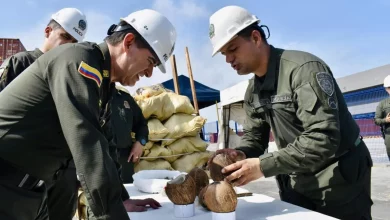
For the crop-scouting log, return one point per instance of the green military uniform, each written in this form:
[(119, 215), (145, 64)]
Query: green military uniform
[(63, 193), (15, 65), (127, 117), (53, 114), (380, 119), (322, 164)]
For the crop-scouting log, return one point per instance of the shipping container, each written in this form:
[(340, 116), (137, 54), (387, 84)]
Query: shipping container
[(9, 47)]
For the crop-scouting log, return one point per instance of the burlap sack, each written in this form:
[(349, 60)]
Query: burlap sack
[(182, 125)]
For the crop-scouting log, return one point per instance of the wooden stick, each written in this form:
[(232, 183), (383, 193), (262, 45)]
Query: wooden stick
[(195, 100), (174, 74), (244, 194)]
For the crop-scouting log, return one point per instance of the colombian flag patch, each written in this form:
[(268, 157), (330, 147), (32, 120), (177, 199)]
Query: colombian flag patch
[(90, 73)]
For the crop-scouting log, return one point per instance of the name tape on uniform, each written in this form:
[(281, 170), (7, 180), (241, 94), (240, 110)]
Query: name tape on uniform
[(90, 73)]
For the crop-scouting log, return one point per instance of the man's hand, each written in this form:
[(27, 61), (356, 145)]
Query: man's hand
[(136, 152), (387, 118), (245, 171), (234, 155), (139, 205)]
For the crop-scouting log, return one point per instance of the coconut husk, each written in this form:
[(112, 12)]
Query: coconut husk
[(181, 190), (217, 164), (220, 197), (201, 179), (201, 197)]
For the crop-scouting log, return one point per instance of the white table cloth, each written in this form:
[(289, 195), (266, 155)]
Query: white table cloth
[(254, 207)]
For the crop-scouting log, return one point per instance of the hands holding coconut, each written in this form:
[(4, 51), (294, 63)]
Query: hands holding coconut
[(244, 171), (232, 166)]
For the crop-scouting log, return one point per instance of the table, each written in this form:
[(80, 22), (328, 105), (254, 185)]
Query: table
[(253, 207)]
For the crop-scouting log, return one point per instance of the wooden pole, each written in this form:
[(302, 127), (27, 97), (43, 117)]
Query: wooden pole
[(192, 82), (216, 106), (174, 75)]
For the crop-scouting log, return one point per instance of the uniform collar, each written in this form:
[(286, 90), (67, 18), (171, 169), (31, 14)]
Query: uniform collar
[(108, 86), (271, 74), (107, 59), (38, 52)]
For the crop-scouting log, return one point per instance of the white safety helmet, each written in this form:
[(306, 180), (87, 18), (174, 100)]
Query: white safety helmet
[(386, 82), (157, 30), (72, 21), (226, 23)]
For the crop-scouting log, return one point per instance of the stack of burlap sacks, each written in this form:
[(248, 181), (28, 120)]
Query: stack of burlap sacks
[(170, 117)]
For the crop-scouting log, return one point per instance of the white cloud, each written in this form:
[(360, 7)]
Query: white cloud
[(31, 3), (185, 9), (98, 24)]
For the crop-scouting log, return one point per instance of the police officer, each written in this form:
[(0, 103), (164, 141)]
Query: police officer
[(56, 110), (382, 116), (322, 163), (127, 117), (68, 25)]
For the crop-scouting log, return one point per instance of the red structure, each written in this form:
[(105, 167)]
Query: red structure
[(9, 47)]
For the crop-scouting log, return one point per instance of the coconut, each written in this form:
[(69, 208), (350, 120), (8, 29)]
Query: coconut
[(201, 197), (181, 190), (220, 197), (201, 179), (217, 164)]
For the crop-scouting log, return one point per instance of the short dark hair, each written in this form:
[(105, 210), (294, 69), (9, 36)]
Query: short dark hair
[(116, 37), (247, 32), (53, 24)]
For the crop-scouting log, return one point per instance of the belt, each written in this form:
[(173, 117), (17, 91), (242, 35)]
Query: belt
[(14, 176)]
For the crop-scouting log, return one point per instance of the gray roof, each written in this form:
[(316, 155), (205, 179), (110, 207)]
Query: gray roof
[(365, 79)]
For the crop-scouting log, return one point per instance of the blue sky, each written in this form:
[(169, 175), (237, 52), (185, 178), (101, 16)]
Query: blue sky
[(351, 36)]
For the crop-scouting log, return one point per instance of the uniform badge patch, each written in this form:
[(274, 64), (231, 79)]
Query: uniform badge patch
[(325, 81), (211, 31), (126, 104), (1, 71), (332, 103), (106, 73), (90, 73)]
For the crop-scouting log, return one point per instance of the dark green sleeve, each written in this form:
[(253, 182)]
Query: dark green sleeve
[(77, 101), (108, 132), (256, 134), (320, 120), (380, 118), (114, 155), (9, 70), (140, 125)]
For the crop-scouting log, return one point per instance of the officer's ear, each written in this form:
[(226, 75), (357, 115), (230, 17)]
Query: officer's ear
[(48, 31), (256, 37), (128, 41)]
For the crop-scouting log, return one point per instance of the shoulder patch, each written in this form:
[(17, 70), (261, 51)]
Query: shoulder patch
[(90, 73), (4, 69), (325, 81), (332, 103)]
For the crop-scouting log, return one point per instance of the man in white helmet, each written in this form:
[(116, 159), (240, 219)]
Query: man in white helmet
[(68, 25), (322, 163), (382, 115), (65, 116)]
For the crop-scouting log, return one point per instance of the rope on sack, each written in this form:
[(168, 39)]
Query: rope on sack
[(175, 155)]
